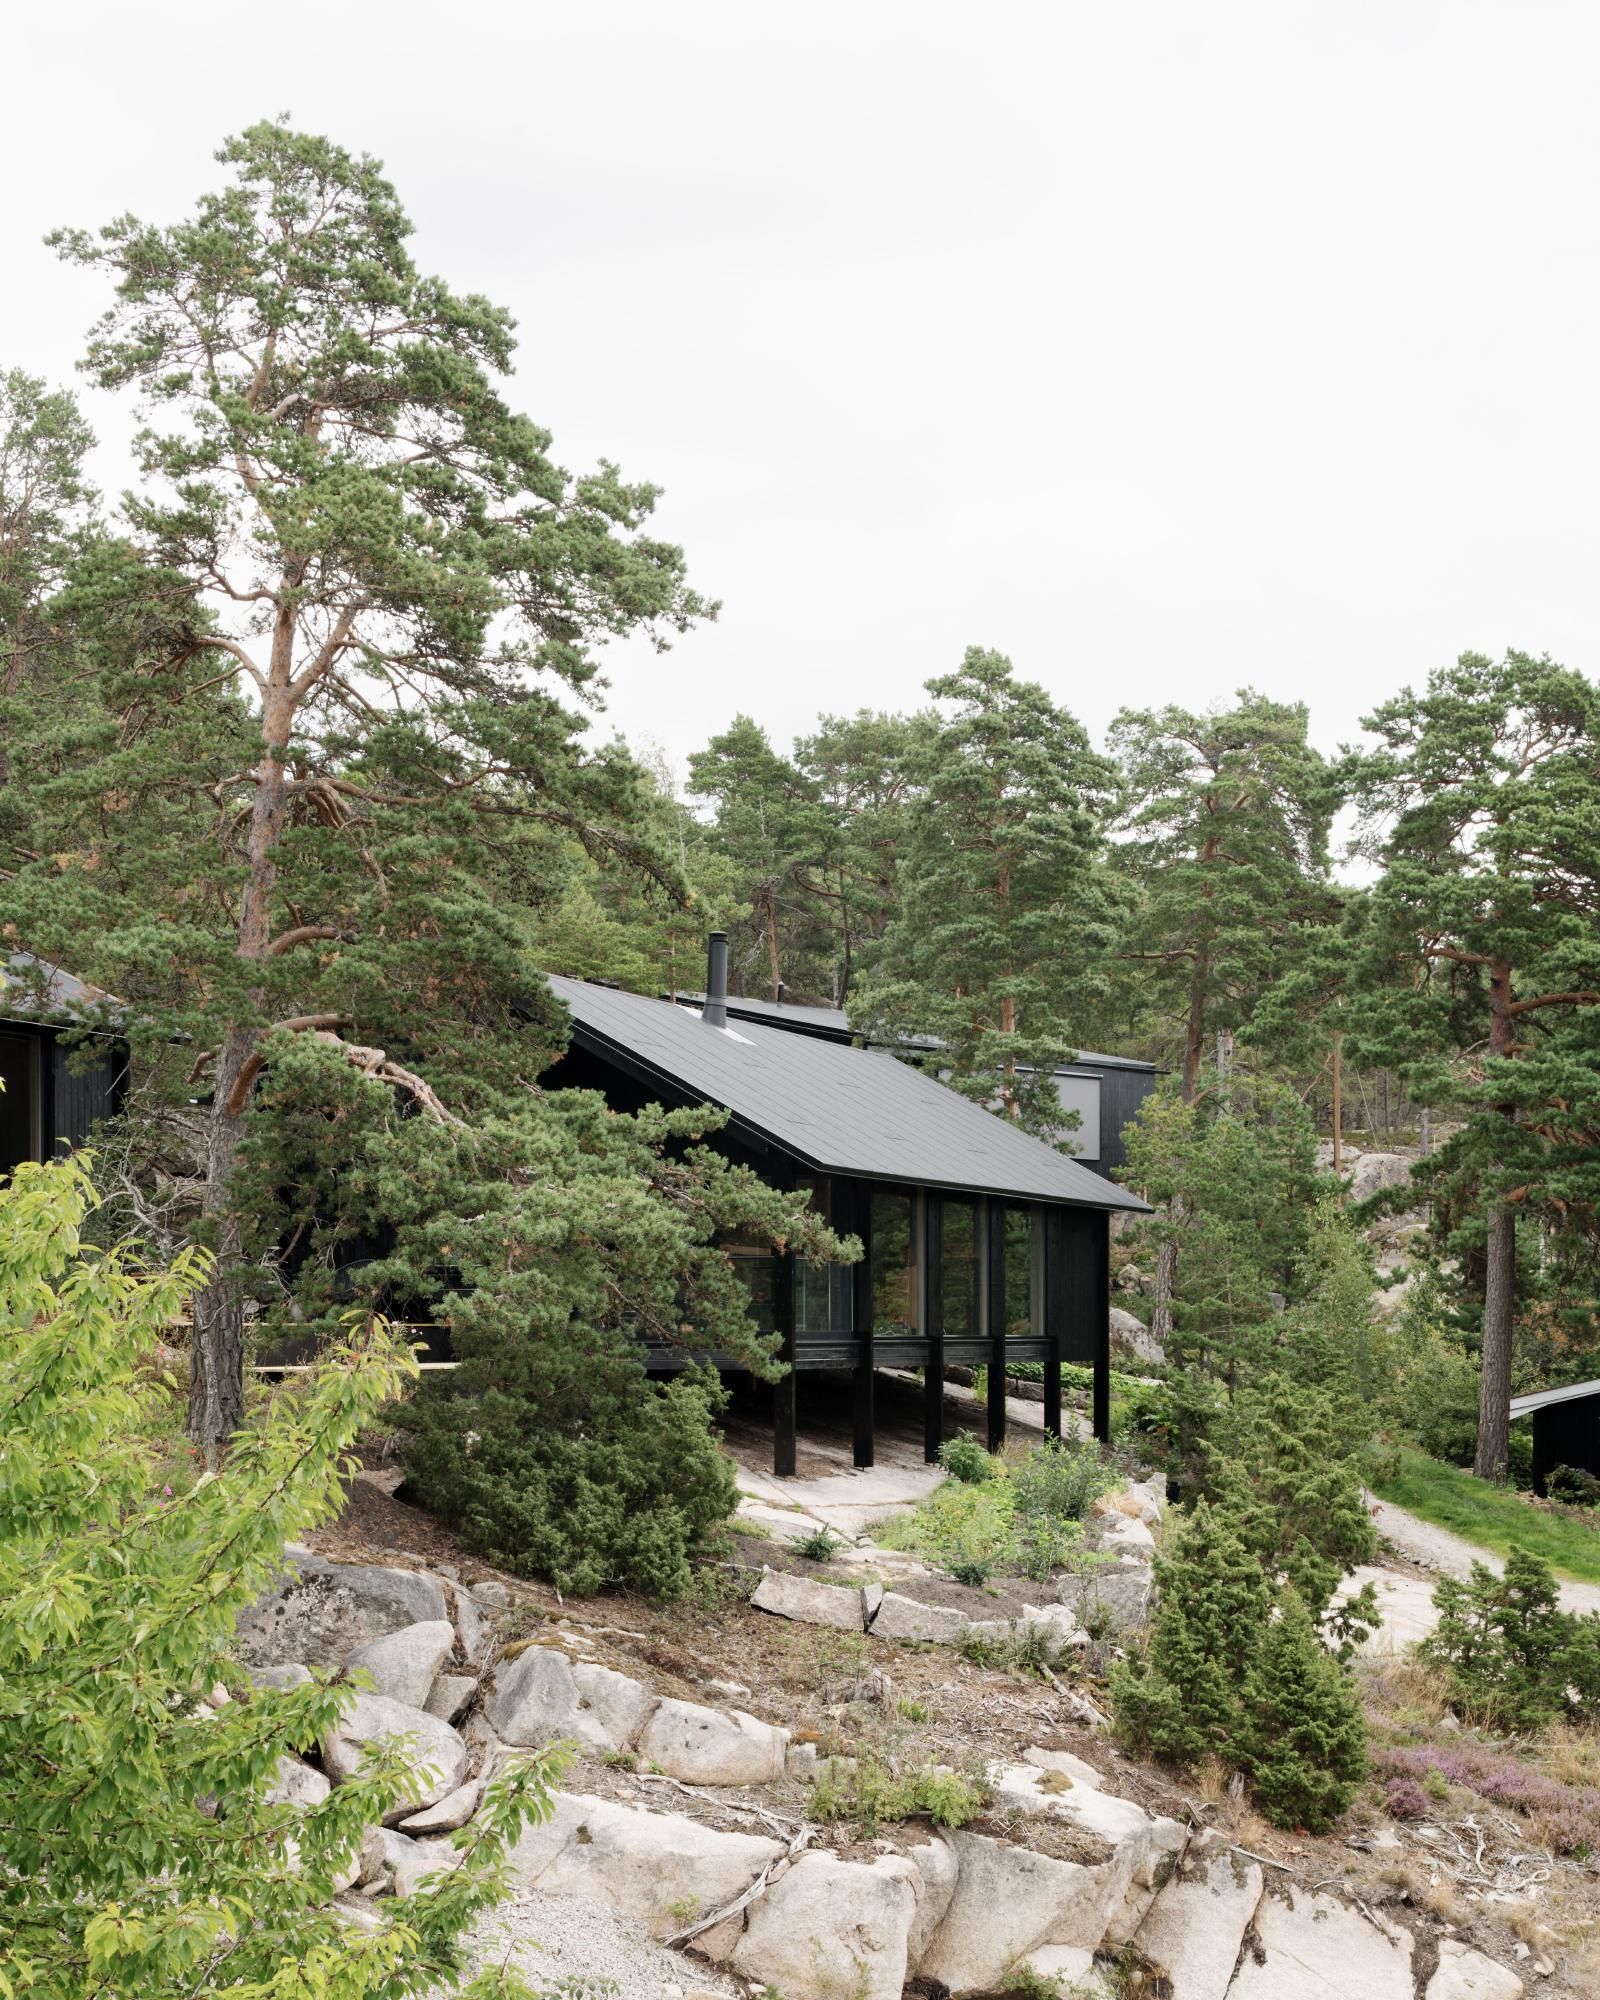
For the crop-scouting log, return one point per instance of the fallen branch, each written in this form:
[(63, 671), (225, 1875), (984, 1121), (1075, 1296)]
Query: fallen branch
[(782, 1824), (757, 1888)]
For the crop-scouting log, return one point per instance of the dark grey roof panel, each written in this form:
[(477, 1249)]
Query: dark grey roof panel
[(32, 989), (1540, 1399), (838, 1108)]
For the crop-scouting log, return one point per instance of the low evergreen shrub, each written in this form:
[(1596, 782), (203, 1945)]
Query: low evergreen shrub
[(622, 1503), (1302, 1737), (1180, 1698), (1573, 1485), (1513, 1657)]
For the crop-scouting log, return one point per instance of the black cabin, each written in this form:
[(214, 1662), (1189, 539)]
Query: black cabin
[(61, 1076), (1566, 1428), (983, 1245)]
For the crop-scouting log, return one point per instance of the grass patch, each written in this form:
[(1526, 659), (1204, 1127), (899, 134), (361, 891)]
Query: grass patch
[(1022, 1517), (1495, 1517)]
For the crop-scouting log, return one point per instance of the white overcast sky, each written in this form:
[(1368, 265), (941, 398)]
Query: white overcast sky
[(1166, 347)]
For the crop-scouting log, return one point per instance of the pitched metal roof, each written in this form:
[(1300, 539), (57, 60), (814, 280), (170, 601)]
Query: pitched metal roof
[(1539, 1399), (807, 1020), (34, 990), (834, 1107)]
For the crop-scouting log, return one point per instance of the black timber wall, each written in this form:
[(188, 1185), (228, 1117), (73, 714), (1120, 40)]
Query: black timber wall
[(1122, 1091), (1566, 1434)]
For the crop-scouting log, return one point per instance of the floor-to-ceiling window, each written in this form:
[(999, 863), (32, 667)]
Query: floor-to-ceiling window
[(894, 1265), (959, 1266)]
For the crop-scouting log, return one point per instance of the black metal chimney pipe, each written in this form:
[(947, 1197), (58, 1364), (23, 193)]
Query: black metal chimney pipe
[(715, 1011)]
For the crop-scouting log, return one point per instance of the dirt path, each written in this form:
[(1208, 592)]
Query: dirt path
[(1439, 1549)]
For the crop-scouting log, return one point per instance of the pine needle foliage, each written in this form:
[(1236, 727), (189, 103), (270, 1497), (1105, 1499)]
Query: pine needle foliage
[(1180, 1699), (1302, 1736)]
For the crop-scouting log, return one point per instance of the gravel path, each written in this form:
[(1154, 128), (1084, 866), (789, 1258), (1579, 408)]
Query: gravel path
[(553, 1938), (1439, 1549)]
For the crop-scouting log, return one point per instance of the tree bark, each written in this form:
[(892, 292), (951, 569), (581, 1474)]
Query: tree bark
[(216, 1347), (1500, 1270), (1499, 1298), (1338, 1101)]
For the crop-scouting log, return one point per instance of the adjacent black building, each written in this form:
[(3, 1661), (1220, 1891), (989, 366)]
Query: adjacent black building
[(1566, 1428), (60, 1078)]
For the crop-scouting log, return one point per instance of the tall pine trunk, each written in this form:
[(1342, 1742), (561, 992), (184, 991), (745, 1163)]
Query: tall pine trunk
[(1500, 1271), (1499, 1297), (216, 1348), (1167, 1256)]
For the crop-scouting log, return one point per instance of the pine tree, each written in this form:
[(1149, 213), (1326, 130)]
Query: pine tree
[(1225, 848), (1003, 922), (1303, 1735), (1225, 823), (772, 824), (1181, 1698), (333, 646), (1480, 958)]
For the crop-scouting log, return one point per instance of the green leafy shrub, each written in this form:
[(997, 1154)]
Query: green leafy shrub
[(871, 1794), (1513, 1657), (623, 1504), (142, 1853), (965, 1459), (1059, 1480), (1301, 1736), (966, 1530)]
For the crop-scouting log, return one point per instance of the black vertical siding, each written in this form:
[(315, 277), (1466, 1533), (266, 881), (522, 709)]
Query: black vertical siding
[(1566, 1434), (1122, 1091), (80, 1092)]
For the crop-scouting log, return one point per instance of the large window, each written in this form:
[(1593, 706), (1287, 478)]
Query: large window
[(894, 1266), (1019, 1274), (960, 1271), (824, 1297)]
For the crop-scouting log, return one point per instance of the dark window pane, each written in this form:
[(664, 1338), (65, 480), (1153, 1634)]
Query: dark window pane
[(1019, 1273), (960, 1271), (894, 1268), (19, 1101), (757, 1271), (824, 1300)]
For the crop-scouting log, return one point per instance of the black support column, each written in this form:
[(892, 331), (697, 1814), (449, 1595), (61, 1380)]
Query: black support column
[(784, 1408), (1046, 1284), (931, 1320), (859, 1223), (992, 1279)]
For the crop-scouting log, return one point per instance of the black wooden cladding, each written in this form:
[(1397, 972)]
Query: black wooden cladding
[(1566, 1433)]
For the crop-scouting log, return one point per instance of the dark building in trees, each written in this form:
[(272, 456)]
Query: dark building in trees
[(982, 1245), (1566, 1428), (61, 1076)]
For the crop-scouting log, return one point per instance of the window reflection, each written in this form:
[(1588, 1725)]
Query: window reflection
[(959, 1263), (1019, 1273), (894, 1267)]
